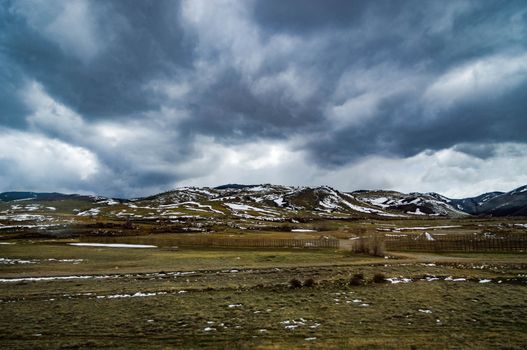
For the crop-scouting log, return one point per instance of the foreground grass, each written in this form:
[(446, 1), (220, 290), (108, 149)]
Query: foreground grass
[(112, 260), (240, 298), (452, 316)]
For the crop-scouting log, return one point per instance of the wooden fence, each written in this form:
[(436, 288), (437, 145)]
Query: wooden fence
[(446, 243), (459, 243), (204, 241)]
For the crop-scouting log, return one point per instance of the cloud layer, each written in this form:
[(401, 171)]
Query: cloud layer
[(128, 98)]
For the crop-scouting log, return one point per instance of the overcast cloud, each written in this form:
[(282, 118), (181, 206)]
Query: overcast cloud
[(128, 98)]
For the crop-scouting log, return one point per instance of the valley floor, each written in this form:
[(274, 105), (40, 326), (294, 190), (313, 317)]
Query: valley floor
[(57, 296)]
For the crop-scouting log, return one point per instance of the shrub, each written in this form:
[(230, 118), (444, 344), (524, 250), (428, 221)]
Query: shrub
[(354, 281), (379, 278), (359, 245), (359, 276), (377, 245), (286, 227), (372, 244), (310, 282), (357, 279), (295, 283), (323, 227)]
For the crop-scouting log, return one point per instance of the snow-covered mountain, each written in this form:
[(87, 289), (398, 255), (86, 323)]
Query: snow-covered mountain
[(273, 203), (236, 199), (423, 204), (513, 203), (43, 196), (471, 205)]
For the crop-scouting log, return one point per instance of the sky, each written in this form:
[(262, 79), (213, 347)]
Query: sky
[(132, 97)]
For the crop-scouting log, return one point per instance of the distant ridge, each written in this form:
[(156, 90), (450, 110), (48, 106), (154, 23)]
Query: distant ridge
[(233, 186), (42, 196), (318, 199)]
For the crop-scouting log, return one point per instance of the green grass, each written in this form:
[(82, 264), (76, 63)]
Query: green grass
[(104, 260), (67, 314), (471, 316)]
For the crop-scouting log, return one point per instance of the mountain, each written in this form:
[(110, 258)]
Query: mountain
[(471, 205), (233, 186), (266, 203), (269, 201), (42, 196), (424, 204), (513, 203)]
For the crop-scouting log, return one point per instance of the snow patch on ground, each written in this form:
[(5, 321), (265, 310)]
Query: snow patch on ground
[(134, 295), (416, 212), (392, 215), (24, 217), (395, 280), (301, 322), (53, 278), (8, 261), (244, 207), (203, 206), (90, 212), (379, 201), (4, 227), (280, 201), (455, 279), (426, 236), (112, 245), (431, 278), (108, 201), (416, 228)]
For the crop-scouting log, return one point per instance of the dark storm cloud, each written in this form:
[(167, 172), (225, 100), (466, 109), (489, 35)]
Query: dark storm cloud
[(421, 38), (472, 124), (139, 40), (140, 84), (482, 151), (228, 110), (425, 39), (10, 76), (301, 16)]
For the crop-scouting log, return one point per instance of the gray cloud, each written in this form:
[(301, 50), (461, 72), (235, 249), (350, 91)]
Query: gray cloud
[(132, 43), (148, 91)]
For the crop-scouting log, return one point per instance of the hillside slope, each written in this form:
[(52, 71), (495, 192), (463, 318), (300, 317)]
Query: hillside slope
[(268, 203)]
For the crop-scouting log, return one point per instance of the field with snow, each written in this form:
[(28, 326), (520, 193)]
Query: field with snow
[(56, 295)]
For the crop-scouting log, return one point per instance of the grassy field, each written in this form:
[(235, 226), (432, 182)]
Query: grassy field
[(242, 298)]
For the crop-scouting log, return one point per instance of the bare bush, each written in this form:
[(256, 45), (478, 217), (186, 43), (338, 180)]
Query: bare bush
[(354, 281), (295, 283), (379, 278), (376, 244), (359, 276), (310, 282), (357, 279), (372, 244)]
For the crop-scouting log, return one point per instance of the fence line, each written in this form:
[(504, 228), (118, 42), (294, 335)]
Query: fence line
[(458, 243), (223, 242), (462, 243)]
